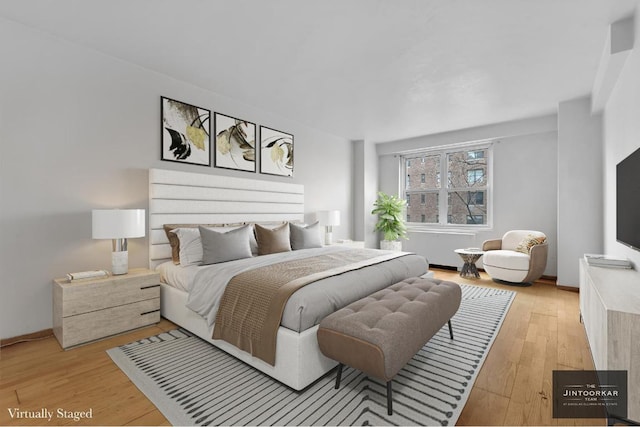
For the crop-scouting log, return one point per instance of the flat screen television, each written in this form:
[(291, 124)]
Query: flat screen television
[(628, 201)]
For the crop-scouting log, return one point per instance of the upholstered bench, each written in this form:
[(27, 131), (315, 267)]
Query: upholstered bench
[(379, 334)]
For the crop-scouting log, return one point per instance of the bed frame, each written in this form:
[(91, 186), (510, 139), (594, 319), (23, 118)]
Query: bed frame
[(177, 197)]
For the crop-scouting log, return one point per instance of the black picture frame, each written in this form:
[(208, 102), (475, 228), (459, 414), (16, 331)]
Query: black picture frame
[(276, 152), (185, 133), (235, 143)]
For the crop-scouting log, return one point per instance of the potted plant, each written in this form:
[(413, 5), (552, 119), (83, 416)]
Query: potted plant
[(390, 211)]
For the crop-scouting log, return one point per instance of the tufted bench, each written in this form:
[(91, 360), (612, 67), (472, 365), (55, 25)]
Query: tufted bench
[(379, 334)]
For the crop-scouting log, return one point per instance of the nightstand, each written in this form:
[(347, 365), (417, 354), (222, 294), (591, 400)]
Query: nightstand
[(90, 309)]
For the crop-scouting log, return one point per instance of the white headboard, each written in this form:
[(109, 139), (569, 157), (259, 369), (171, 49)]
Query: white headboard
[(177, 197)]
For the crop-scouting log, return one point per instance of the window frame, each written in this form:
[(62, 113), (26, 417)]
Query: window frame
[(444, 189)]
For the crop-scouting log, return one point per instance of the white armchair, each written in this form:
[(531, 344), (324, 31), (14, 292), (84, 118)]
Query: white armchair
[(519, 257)]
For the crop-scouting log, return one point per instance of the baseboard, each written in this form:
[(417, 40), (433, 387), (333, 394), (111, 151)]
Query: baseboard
[(26, 337), (568, 288)]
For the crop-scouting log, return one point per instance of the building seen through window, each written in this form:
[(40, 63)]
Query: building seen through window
[(463, 199)]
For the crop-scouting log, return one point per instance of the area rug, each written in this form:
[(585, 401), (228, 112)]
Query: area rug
[(194, 383)]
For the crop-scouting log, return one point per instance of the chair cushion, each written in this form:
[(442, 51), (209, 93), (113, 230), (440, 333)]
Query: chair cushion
[(513, 238), (511, 260)]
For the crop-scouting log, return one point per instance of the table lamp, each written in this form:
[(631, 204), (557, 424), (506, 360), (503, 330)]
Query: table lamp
[(328, 219), (118, 225)]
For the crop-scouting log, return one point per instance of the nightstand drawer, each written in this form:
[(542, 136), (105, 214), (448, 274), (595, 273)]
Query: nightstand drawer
[(110, 292), (99, 324)]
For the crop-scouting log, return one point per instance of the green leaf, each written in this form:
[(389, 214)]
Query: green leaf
[(390, 211)]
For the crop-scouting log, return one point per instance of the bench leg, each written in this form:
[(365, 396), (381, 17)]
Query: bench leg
[(389, 399), (339, 375), (450, 330)]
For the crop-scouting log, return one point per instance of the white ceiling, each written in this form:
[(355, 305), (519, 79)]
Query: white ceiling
[(377, 70)]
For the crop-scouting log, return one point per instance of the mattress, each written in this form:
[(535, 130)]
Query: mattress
[(307, 306)]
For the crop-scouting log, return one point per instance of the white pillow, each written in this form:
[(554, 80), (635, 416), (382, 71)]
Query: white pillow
[(190, 245), (191, 251)]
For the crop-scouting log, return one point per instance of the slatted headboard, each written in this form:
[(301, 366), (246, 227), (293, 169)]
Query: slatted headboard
[(177, 197)]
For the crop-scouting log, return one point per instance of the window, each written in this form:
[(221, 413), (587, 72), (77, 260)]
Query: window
[(461, 200), (475, 176), (475, 198), (476, 154), (475, 219)]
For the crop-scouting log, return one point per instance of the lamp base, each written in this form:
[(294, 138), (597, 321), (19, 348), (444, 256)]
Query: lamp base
[(119, 262), (328, 238)]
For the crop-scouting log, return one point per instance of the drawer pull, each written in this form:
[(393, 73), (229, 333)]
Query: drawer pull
[(149, 312), (150, 286)]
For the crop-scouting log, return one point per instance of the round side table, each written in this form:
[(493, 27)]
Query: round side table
[(469, 256)]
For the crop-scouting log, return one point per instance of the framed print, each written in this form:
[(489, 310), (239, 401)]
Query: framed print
[(186, 136), (276, 152), (235, 143)]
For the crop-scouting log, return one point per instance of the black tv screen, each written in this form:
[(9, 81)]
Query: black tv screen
[(628, 201)]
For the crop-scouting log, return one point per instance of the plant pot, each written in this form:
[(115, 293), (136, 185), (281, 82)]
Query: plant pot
[(391, 245)]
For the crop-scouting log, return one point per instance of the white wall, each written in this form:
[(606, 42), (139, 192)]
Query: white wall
[(365, 188), (621, 138), (78, 131), (524, 185), (580, 193)]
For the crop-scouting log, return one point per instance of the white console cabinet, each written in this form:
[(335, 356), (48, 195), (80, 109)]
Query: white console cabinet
[(610, 310)]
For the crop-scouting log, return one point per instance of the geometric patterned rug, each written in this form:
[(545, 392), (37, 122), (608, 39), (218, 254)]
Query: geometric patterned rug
[(194, 383)]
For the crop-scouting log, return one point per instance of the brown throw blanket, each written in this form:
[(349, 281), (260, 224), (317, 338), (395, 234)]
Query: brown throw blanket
[(252, 304)]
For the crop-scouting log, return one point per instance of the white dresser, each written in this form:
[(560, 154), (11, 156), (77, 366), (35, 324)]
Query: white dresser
[(610, 310)]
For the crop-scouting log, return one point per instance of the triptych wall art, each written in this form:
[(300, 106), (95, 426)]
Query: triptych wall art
[(186, 138)]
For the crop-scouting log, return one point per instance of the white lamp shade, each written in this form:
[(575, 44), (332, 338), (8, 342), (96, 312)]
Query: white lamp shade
[(328, 217), (118, 223)]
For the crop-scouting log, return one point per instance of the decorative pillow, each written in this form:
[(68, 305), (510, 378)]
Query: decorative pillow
[(305, 237), (222, 247), (174, 240), (190, 248), (271, 241), (530, 241)]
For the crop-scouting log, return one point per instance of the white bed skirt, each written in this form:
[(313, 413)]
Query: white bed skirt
[(299, 361)]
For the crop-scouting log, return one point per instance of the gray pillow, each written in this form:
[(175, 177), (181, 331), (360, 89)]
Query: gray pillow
[(271, 241), (222, 247), (305, 237)]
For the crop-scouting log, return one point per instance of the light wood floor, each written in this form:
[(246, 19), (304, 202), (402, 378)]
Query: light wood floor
[(541, 333)]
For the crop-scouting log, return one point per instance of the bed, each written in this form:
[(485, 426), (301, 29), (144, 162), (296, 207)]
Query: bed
[(177, 197)]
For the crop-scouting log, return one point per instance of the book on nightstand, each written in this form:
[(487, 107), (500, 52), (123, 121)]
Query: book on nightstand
[(608, 261), (81, 275)]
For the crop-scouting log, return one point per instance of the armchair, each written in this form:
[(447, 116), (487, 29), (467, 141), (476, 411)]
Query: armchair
[(519, 257)]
